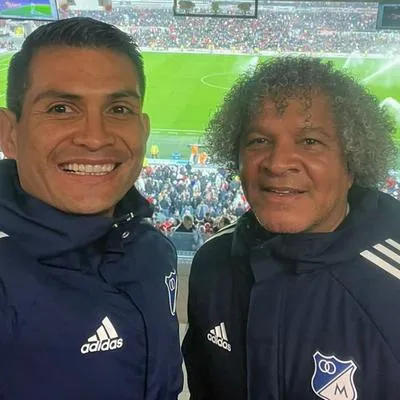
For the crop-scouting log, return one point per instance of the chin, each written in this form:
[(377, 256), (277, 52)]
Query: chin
[(277, 228), (283, 226), (106, 210)]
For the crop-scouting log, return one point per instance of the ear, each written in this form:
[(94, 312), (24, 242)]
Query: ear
[(351, 181), (350, 177), (146, 125), (8, 133)]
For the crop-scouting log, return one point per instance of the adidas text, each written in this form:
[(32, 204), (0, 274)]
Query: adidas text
[(105, 345), (105, 339), (219, 342)]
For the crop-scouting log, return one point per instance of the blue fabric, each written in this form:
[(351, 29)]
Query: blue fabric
[(287, 298), (61, 275)]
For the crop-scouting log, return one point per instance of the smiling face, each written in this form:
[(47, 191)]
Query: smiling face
[(293, 170), (81, 138)]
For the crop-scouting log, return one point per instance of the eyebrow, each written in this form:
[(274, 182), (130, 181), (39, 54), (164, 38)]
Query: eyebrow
[(59, 94), (55, 94), (315, 129), (125, 93)]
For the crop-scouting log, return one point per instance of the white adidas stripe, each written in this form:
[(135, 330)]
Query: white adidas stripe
[(387, 252), (223, 331), (102, 334), (393, 243), (110, 328), (219, 331), (380, 262), (105, 332), (93, 339), (3, 235)]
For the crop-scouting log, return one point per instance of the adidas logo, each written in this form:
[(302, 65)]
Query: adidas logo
[(385, 256), (106, 338), (219, 337)]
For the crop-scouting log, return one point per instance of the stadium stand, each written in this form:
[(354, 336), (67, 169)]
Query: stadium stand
[(328, 28), (209, 195)]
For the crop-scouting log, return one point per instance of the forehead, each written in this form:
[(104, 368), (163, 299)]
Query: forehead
[(304, 108), (81, 70)]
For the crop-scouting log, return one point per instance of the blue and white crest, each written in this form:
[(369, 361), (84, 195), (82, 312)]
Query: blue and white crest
[(171, 282), (333, 378)]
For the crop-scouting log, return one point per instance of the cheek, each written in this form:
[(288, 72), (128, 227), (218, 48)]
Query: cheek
[(37, 136), (248, 168), (133, 140), (331, 181), (244, 178)]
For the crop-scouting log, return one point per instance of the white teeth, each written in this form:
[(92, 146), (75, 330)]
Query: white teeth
[(282, 191), (88, 169)]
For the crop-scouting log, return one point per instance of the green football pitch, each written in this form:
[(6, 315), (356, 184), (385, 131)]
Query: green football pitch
[(29, 11), (183, 90)]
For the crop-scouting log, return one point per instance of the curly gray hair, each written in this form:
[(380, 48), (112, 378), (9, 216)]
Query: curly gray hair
[(364, 128)]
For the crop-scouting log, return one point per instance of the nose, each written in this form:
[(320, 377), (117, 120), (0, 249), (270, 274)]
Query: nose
[(93, 133), (281, 159)]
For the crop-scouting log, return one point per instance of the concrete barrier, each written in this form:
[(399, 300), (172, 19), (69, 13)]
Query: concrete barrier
[(184, 263)]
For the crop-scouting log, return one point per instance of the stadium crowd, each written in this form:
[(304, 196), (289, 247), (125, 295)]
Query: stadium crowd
[(191, 199), (392, 185), (279, 29)]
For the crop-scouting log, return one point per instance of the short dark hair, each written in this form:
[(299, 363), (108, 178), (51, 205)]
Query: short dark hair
[(365, 129), (72, 32), (187, 218)]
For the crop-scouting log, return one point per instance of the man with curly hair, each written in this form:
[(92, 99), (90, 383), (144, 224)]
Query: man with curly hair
[(299, 298)]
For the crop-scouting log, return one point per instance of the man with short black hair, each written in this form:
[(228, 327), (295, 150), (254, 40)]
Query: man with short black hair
[(87, 287), (187, 225)]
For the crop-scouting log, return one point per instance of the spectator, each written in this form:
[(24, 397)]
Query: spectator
[(186, 226)]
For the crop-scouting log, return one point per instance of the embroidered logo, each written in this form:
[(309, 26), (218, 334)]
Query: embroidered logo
[(218, 336), (106, 338), (171, 282), (333, 378)]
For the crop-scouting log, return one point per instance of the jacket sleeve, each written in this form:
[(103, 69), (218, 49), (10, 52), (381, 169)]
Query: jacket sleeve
[(192, 347)]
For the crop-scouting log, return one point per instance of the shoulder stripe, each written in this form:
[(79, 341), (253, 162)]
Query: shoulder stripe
[(393, 243), (381, 263), (391, 253), (387, 252), (3, 235)]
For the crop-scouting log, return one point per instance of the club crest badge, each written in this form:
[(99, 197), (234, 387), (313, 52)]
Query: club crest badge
[(333, 378), (171, 282)]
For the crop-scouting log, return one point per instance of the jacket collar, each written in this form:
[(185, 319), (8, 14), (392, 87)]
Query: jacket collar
[(367, 207), (44, 231)]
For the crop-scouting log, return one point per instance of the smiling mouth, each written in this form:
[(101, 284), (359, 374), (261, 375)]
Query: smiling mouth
[(88, 169), (283, 191)]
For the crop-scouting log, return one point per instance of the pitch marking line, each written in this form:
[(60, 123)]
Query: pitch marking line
[(204, 78)]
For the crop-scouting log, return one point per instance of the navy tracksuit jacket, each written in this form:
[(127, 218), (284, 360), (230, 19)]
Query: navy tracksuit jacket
[(302, 316), (87, 303)]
